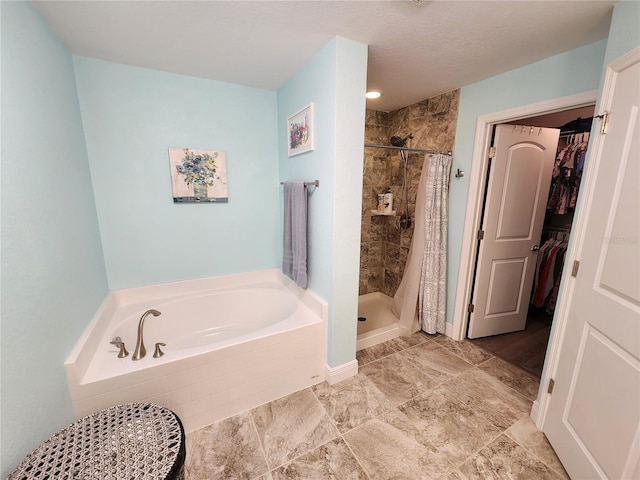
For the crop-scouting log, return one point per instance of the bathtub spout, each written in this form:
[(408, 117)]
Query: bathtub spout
[(140, 350)]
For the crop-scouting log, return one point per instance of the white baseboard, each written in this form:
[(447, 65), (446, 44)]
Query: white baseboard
[(535, 414), (448, 330), (341, 372)]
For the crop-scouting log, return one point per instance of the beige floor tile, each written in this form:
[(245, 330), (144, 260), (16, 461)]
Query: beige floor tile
[(402, 343), (439, 420), (464, 349), (397, 379), (435, 361), (226, 449), (526, 434), (420, 410), (333, 460), (386, 452), (379, 387), (512, 376), (371, 354), (505, 459), (456, 475), (292, 426), (489, 397), (352, 402)]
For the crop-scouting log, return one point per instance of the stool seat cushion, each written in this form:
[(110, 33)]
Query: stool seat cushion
[(137, 441)]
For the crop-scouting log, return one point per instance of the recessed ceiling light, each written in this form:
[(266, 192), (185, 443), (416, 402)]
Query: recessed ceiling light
[(373, 94)]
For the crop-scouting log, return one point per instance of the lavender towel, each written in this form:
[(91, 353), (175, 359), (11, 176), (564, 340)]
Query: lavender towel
[(294, 255)]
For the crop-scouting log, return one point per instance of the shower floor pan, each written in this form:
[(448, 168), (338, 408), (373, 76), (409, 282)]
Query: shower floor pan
[(380, 325)]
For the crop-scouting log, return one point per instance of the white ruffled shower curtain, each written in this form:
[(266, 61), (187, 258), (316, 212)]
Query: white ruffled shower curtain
[(424, 283)]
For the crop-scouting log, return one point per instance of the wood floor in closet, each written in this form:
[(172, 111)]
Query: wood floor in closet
[(525, 349)]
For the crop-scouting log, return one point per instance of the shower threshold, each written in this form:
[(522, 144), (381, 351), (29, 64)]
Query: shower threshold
[(380, 325)]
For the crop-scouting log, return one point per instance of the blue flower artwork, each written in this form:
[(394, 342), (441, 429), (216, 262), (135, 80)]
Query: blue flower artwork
[(198, 176)]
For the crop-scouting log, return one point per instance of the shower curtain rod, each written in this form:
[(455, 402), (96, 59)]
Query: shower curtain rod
[(406, 149)]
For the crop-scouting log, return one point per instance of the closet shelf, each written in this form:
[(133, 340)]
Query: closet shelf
[(382, 214)]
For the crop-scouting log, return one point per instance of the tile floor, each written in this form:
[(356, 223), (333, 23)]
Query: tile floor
[(421, 408)]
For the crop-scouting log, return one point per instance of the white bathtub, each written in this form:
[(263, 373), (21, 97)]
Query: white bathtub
[(232, 343)]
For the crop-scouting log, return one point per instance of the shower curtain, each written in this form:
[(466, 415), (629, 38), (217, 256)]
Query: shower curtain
[(424, 283)]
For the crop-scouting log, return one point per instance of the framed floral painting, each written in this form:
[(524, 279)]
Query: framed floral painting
[(300, 131), (198, 176)]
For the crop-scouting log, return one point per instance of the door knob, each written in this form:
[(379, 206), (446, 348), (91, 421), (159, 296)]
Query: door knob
[(535, 248)]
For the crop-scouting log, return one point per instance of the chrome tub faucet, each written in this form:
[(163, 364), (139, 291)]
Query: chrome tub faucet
[(140, 351)]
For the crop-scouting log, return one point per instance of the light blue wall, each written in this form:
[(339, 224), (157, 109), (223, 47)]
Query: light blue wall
[(351, 61), (53, 277), (569, 73), (335, 81), (131, 117), (624, 33), (316, 84)]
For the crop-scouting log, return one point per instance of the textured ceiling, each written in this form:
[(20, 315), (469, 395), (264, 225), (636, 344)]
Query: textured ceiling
[(415, 50)]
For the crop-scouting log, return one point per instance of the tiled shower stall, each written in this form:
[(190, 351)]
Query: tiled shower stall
[(384, 247)]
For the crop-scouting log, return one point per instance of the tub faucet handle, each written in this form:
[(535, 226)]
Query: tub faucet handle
[(123, 351), (158, 353), (120, 344)]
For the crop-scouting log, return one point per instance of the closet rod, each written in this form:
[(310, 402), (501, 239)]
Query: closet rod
[(551, 228), (568, 134), (406, 149)]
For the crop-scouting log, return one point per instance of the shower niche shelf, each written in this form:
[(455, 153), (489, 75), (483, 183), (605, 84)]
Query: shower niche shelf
[(382, 214)]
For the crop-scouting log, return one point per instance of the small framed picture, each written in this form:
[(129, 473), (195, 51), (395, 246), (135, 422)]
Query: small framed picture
[(300, 131)]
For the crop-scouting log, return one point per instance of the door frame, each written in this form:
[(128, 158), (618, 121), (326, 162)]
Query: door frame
[(473, 215)]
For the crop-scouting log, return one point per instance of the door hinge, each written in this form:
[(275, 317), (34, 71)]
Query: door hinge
[(604, 116), (471, 308), (480, 234), (574, 270), (492, 152), (552, 382)]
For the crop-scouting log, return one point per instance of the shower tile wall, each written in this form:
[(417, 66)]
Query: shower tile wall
[(384, 248), (375, 180)]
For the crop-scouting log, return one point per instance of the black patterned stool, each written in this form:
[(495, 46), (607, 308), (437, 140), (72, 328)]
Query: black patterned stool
[(134, 441)]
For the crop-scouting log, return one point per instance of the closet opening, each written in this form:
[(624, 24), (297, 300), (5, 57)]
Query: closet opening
[(526, 348)]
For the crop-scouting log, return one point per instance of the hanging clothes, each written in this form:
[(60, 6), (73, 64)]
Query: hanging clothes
[(553, 296), (566, 177), (563, 195), (548, 274)]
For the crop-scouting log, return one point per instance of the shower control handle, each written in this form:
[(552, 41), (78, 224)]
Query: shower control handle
[(535, 248)]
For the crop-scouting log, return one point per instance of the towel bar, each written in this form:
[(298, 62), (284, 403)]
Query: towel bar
[(315, 183)]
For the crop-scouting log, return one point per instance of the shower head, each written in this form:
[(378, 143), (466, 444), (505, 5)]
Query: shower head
[(399, 141)]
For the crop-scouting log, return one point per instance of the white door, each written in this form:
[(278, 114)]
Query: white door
[(593, 418), (517, 191)]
